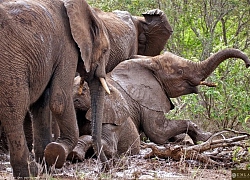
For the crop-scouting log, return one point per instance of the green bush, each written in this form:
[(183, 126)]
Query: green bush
[(202, 28)]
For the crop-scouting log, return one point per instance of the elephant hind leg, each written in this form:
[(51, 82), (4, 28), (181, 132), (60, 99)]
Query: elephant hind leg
[(19, 153), (12, 113), (159, 129), (41, 125)]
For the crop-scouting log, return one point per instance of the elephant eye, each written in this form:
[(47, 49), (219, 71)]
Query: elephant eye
[(180, 71)]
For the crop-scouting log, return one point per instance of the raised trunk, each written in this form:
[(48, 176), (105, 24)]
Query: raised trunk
[(208, 66), (97, 103)]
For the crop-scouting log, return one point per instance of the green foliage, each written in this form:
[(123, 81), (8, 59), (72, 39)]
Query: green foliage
[(202, 28), (135, 7)]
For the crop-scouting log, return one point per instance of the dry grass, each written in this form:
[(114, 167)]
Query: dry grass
[(126, 167)]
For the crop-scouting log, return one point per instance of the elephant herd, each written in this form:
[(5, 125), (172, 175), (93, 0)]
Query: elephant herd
[(45, 42)]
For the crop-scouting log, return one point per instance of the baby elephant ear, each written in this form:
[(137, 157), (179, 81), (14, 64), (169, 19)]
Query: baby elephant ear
[(84, 26), (156, 31), (116, 110)]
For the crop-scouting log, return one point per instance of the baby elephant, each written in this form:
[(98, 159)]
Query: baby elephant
[(119, 134)]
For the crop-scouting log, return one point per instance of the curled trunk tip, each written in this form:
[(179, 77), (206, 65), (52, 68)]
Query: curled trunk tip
[(209, 65)]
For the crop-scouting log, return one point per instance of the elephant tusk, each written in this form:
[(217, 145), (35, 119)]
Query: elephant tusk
[(208, 84), (104, 85)]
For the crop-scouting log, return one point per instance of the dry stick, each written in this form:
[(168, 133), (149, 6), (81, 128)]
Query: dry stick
[(193, 152), (237, 132)]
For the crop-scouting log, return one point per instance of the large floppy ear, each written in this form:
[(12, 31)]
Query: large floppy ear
[(116, 109), (140, 84), (85, 28), (153, 32)]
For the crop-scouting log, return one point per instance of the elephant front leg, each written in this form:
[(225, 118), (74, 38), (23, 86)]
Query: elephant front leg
[(61, 105), (159, 129)]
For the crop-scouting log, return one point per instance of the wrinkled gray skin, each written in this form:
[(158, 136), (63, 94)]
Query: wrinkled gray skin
[(117, 137), (146, 84), (38, 60), (128, 35)]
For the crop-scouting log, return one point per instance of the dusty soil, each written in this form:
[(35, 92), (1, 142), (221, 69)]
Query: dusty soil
[(126, 167)]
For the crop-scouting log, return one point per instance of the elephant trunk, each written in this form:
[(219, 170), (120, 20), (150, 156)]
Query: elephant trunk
[(97, 93), (206, 67)]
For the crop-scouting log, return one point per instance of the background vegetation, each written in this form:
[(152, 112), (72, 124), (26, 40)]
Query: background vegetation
[(203, 27)]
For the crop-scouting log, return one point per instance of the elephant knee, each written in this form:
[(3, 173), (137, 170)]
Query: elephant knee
[(57, 103)]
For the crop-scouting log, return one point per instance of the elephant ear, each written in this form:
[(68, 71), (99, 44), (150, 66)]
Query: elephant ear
[(116, 109), (141, 85), (154, 32), (85, 28)]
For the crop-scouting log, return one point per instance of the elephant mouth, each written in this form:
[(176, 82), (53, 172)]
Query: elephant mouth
[(100, 74)]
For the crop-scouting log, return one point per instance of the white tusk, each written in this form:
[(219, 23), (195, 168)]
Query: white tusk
[(104, 85)]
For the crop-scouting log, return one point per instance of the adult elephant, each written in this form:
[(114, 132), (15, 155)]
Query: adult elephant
[(145, 86), (38, 60), (128, 35)]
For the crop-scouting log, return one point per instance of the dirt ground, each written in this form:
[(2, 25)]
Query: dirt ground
[(126, 167)]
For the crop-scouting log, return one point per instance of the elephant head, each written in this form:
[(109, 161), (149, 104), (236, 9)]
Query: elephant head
[(180, 76), (176, 75)]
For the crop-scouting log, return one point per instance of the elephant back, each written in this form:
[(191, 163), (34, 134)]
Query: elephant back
[(141, 85)]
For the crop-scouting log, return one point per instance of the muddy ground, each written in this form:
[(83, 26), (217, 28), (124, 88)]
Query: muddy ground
[(127, 167)]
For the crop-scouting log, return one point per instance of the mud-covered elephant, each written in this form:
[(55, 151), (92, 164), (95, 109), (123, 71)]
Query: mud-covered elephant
[(146, 84), (53, 35), (39, 54), (119, 135)]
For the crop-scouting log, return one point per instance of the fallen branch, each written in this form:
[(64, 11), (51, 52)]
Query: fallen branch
[(195, 152)]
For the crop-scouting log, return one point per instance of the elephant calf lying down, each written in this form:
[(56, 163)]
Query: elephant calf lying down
[(141, 89)]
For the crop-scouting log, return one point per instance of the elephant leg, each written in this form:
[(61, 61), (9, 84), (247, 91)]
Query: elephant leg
[(110, 139), (83, 145), (12, 123), (41, 125), (3, 141), (55, 129), (109, 143), (28, 131), (159, 129), (61, 105), (129, 138)]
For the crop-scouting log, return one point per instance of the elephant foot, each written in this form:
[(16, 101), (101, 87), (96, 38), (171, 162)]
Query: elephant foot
[(83, 145), (33, 169), (55, 154), (76, 156)]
